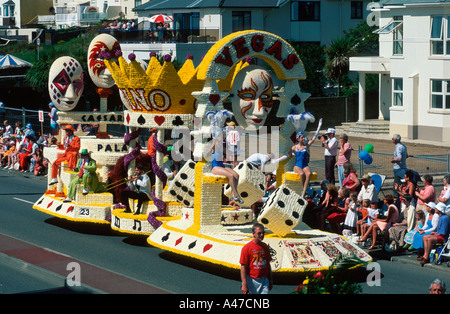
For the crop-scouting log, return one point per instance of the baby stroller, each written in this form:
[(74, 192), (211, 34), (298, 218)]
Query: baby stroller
[(442, 253)]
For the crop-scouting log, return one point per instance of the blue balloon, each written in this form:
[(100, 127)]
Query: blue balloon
[(368, 160), (363, 155)]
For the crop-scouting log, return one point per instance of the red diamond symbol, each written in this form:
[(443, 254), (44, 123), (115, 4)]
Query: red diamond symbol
[(128, 118), (178, 241)]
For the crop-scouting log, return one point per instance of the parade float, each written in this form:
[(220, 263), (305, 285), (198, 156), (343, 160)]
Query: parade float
[(186, 215), (66, 85), (192, 99)]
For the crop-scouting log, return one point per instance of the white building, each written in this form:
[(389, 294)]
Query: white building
[(413, 67)]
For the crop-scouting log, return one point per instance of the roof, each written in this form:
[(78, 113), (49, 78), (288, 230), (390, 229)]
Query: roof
[(406, 2), (203, 4)]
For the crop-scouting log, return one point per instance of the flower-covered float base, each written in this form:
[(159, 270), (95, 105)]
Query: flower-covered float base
[(95, 213), (298, 251), (93, 207)]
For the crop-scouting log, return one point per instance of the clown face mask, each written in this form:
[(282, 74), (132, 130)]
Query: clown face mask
[(65, 83), (102, 47), (253, 97)]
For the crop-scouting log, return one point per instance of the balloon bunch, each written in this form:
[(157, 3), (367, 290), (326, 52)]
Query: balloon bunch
[(364, 155)]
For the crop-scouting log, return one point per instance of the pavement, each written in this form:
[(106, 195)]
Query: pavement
[(58, 271), (33, 262)]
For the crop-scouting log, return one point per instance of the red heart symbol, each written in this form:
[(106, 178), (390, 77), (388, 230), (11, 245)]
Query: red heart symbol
[(214, 99), (207, 247), (159, 119)]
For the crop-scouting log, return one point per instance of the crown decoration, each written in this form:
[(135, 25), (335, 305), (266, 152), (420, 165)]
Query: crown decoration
[(158, 90)]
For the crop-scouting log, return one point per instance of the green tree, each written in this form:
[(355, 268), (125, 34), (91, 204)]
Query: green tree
[(313, 58), (337, 63)]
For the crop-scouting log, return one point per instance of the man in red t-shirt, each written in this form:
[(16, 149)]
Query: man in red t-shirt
[(256, 274)]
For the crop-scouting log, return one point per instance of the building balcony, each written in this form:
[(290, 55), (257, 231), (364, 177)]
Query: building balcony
[(137, 35)]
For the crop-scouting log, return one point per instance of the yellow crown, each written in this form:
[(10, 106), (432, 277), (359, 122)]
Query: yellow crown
[(159, 89)]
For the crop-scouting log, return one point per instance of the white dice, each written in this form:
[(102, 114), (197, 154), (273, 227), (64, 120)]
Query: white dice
[(282, 211), (251, 183), (181, 189)]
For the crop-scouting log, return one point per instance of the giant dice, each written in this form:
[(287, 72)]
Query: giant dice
[(282, 211), (181, 189), (251, 183)]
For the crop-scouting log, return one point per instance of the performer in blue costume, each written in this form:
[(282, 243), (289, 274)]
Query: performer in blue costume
[(301, 153), (219, 168)]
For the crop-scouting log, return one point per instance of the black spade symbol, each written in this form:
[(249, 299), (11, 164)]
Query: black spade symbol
[(192, 245), (141, 120), (58, 208), (295, 100)]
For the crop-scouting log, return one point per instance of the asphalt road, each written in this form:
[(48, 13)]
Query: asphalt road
[(130, 265)]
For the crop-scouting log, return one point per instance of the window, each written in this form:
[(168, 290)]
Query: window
[(398, 38), (397, 92), (305, 11), (439, 35), (440, 94), (356, 10), (241, 20), (395, 26), (137, 3)]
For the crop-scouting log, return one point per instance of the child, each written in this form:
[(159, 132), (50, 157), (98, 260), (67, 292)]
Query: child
[(351, 218), (373, 213), (363, 212), (409, 236), (335, 219)]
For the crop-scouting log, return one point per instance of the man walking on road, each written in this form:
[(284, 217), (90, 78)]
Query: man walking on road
[(256, 274)]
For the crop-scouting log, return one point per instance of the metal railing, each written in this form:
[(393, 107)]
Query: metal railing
[(202, 35), (26, 116)]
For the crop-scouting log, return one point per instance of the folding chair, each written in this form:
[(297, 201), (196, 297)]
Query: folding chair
[(443, 253), (378, 180)]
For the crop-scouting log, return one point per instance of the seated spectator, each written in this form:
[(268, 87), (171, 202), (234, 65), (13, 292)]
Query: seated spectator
[(409, 187), (440, 236), (349, 226), (444, 197), (382, 224), (431, 220), (426, 194), (338, 217), (39, 164), (409, 236), (368, 190), (351, 180), (315, 205), (363, 215), (12, 157), (397, 231), (329, 205)]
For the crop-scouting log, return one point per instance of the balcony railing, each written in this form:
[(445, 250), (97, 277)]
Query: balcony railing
[(203, 35)]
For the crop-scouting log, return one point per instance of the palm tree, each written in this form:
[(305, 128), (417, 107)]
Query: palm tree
[(337, 63)]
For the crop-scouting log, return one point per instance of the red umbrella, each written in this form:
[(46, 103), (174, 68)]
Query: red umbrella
[(161, 18)]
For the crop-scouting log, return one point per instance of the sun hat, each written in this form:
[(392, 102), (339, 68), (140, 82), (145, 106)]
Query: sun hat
[(331, 130), (69, 127), (365, 177), (84, 151), (431, 204), (29, 126), (441, 207)]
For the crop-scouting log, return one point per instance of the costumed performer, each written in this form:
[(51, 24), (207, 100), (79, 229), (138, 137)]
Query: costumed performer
[(87, 176), (218, 168), (139, 188), (301, 152), (71, 145)]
